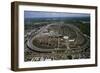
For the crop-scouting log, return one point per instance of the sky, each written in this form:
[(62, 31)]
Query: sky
[(42, 14)]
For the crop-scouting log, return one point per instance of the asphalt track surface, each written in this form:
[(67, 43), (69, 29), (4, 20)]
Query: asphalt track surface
[(79, 38)]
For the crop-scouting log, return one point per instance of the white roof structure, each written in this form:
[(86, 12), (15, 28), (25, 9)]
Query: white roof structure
[(65, 37), (72, 40)]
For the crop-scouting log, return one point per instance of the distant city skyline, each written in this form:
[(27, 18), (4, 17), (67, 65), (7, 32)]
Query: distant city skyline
[(44, 14)]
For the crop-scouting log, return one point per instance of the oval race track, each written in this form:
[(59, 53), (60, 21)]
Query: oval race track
[(51, 36)]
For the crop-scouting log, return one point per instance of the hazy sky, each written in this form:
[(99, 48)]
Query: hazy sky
[(42, 14)]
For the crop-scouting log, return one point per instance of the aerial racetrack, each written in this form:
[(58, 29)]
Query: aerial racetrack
[(57, 36)]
